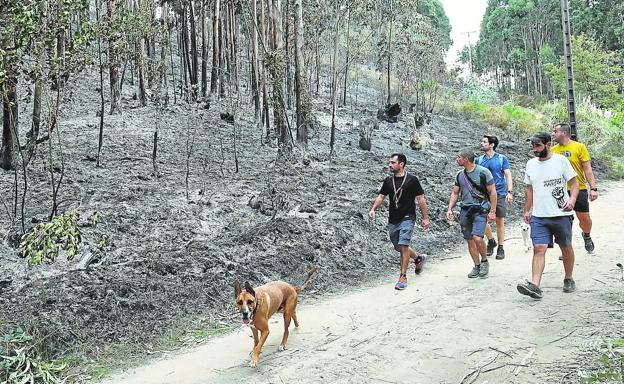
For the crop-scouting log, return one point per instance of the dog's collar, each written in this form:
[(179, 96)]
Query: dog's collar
[(253, 313)]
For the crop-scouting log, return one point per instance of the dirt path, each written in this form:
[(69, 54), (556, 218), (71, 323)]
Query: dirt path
[(442, 328)]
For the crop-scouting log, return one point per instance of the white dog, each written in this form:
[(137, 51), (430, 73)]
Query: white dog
[(526, 231)]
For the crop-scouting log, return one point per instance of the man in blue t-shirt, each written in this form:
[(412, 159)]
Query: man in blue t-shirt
[(498, 165)]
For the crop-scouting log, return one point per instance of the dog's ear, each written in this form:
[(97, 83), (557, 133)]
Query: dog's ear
[(249, 289), (237, 288)]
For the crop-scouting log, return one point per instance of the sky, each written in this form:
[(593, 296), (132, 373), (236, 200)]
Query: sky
[(465, 16)]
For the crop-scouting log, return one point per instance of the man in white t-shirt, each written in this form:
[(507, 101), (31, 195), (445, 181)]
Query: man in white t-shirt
[(552, 213)]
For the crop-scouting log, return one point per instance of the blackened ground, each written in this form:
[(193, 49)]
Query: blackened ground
[(223, 206)]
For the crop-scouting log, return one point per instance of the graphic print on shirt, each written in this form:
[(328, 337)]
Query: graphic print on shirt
[(557, 191)]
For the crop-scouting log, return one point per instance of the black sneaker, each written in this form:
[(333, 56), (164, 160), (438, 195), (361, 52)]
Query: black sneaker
[(474, 273), (490, 247), (589, 244), (530, 289), (569, 285), (500, 253)]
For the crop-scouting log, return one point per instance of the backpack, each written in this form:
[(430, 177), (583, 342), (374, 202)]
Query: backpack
[(479, 160)]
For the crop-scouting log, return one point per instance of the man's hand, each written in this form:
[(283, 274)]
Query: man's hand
[(371, 215), (426, 223), (569, 205), (491, 217), (509, 198), (449, 215), (527, 217), (593, 195)]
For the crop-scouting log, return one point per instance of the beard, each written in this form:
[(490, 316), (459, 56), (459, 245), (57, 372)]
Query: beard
[(541, 154)]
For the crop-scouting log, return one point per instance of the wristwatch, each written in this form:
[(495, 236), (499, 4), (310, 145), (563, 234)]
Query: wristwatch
[(510, 191)]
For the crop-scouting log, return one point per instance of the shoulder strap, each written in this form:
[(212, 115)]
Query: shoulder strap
[(473, 186)]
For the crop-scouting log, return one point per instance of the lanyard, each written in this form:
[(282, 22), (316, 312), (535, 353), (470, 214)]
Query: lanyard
[(398, 192)]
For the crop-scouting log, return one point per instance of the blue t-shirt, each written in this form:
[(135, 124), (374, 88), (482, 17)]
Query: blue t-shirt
[(497, 164)]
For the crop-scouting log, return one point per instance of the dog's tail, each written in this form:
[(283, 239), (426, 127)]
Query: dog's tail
[(311, 272)]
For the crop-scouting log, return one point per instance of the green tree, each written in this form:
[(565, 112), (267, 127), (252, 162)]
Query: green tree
[(597, 73)]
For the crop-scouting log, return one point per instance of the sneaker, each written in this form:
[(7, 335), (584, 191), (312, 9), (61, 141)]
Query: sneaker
[(491, 244), (589, 244), (420, 262), (500, 253), (569, 285), (401, 284), (484, 269), (475, 272), (530, 289)]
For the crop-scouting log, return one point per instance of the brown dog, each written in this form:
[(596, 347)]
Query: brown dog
[(259, 304)]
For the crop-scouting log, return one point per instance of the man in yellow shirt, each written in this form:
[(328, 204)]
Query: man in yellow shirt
[(580, 160)]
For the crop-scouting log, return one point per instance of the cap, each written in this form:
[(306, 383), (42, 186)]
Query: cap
[(540, 137)]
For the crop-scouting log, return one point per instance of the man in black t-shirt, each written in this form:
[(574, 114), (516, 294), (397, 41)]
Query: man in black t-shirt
[(404, 190)]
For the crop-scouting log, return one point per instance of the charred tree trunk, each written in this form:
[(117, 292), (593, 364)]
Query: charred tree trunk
[(140, 64), (114, 59), (215, 50), (346, 72), (194, 68), (9, 123), (204, 51), (332, 139), (301, 93), (276, 67), (254, 60)]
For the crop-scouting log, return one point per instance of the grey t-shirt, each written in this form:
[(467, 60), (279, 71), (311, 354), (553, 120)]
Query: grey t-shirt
[(480, 176)]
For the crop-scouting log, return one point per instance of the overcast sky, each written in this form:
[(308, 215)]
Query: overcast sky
[(465, 16)]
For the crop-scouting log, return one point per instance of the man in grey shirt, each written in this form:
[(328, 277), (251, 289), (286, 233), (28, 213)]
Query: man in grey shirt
[(474, 188)]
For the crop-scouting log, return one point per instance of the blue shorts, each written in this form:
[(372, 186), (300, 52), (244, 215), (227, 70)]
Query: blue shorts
[(401, 233), (544, 228), (472, 222)]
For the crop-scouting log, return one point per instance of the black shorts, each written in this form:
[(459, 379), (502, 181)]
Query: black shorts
[(582, 201)]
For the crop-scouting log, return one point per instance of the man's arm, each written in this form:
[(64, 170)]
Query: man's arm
[(452, 201), (509, 182), (528, 203), (589, 175), (422, 203), (491, 188), (376, 204)]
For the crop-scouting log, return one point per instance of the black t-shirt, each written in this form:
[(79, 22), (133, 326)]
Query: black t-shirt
[(405, 205)]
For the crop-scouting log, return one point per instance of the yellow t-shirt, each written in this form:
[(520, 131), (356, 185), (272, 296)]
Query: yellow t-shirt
[(576, 153)]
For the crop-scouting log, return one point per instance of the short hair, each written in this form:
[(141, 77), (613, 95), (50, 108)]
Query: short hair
[(492, 140), (468, 153), (564, 127), (400, 157)]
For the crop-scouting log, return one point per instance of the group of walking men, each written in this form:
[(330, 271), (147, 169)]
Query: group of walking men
[(558, 182)]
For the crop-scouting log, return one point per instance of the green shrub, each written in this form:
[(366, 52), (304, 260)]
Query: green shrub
[(47, 239), (20, 363), (612, 361)]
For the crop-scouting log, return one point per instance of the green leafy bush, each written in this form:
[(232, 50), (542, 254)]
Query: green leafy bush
[(20, 363), (612, 361), (47, 239)]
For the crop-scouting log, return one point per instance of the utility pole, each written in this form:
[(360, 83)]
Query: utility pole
[(567, 50), (470, 49)]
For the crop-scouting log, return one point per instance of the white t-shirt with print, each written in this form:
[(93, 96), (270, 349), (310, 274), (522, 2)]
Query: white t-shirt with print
[(549, 181)]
